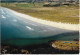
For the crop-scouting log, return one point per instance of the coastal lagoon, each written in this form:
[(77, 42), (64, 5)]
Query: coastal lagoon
[(18, 41), (18, 31)]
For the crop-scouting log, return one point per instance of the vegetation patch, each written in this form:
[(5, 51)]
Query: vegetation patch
[(63, 13), (66, 45)]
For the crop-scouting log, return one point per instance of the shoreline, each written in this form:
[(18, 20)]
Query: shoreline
[(36, 49), (66, 26)]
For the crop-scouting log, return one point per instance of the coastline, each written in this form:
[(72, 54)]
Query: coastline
[(66, 26), (35, 49)]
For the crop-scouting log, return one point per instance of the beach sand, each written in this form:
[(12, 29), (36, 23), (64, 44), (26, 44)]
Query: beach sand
[(66, 26)]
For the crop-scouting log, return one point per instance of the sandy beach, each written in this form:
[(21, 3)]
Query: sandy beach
[(67, 26)]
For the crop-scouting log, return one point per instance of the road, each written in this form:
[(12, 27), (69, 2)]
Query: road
[(13, 26)]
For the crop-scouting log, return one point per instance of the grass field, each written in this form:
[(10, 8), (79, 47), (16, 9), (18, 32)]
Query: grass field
[(64, 14)]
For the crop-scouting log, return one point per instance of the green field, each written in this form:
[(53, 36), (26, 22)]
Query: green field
[(63, 13)]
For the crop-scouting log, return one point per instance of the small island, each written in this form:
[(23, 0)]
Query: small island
[(66, 45)]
